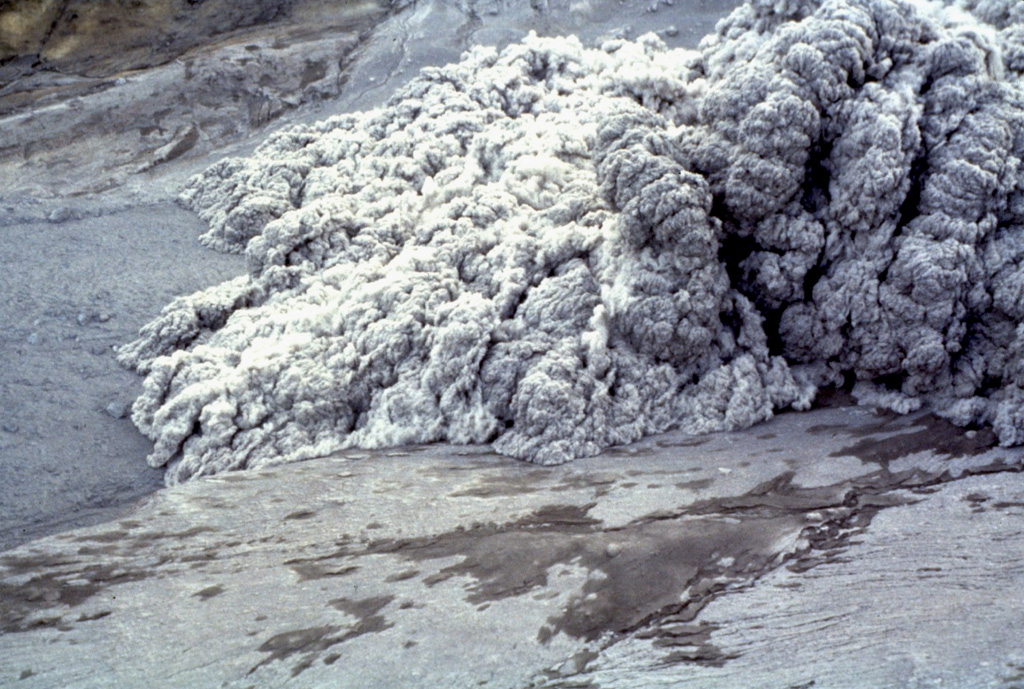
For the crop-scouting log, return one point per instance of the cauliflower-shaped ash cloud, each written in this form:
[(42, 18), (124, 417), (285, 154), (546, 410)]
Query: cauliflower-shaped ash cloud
[(557, 249), (868, 162)]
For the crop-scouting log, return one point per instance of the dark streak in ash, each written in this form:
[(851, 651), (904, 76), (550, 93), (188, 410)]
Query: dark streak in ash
[(311, 642)]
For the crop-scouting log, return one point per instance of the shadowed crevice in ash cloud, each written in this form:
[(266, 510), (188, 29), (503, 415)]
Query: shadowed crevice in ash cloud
[(556, 249)]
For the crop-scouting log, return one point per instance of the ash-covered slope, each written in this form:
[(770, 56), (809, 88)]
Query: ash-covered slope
[(558, 249)]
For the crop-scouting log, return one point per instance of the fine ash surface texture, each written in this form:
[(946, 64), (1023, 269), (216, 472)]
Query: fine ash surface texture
[(556, 249)]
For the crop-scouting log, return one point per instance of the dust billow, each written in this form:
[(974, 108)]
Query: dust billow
[(556, 249)]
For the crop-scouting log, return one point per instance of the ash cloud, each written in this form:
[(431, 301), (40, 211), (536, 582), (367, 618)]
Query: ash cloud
[(556, 249)]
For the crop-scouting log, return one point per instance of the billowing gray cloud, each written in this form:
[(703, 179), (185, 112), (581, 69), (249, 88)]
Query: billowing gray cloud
[(557, 249)]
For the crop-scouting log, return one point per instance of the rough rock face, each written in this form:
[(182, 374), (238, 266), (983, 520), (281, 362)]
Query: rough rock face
[(94, 92), (558, 249), (102, 37)]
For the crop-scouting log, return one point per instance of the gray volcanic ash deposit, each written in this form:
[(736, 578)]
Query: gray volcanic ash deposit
[(557, 249)]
